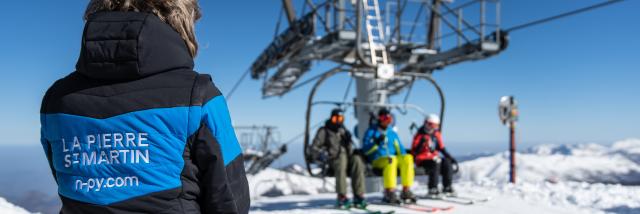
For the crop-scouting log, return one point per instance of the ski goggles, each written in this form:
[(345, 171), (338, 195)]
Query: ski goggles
[(431, 125), (385, 119), (337, 119)]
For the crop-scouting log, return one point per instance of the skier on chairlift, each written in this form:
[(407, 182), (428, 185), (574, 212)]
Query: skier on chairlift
[(427, 147), (332, 144), (384, 150)]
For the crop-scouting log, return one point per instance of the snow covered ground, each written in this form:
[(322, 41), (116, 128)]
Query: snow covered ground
[(8, 208), (583, 178), (593, 163)]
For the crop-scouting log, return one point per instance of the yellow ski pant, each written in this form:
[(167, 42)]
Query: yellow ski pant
[(389, 167)]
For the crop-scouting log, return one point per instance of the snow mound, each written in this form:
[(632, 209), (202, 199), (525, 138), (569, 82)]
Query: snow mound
[(592, 163), (273, 182), (8, 208), (590, 198), (295, 169)]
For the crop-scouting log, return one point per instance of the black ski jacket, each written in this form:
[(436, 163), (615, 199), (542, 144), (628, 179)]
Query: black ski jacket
[(135, 130)]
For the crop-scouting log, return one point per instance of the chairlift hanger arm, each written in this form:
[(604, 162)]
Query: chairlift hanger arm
[(429, 78), (312, 94)]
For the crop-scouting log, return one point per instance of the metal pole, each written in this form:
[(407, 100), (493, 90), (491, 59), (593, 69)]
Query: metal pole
[(512, 147), (290, 11), (399, 9), (434, 23), (459, 26), (341, 14), (327, 16), (498, 23), (512, 151), (366, 92), (482, 21)]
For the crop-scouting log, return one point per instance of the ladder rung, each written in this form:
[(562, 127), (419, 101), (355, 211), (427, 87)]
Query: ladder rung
[(379, 47), (376, 47)]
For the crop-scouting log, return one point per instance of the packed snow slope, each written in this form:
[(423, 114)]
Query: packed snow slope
[(8, 208), (585, 178), (592, 163)]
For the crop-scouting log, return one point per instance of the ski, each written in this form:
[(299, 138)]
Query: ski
[(418, 207), (475, 200), (427, 208), (458, 199), (365, 210), (371, 211), (450, 200)]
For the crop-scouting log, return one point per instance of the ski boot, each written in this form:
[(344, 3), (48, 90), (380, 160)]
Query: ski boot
[(408, 197), (434, 193), (359, 202), (343, 202), (449, 192), (390, 197)]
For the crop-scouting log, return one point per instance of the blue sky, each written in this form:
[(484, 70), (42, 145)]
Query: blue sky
[(575, 79)]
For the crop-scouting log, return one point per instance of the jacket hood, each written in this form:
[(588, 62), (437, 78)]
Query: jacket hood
[(130, 45)]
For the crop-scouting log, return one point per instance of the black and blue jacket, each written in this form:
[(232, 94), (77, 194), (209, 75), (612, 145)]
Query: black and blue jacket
[(135, 130)]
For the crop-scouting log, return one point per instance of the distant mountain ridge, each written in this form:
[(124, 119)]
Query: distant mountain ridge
[(592, 163)]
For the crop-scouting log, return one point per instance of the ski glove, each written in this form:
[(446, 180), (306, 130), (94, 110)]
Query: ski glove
[(323, 157), (437, 159), (454, 166)]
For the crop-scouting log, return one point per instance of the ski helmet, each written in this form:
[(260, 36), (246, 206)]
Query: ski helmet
[(432, 118)]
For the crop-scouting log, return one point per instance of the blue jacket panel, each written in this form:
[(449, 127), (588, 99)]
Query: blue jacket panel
[(102, 161), (390, 146)]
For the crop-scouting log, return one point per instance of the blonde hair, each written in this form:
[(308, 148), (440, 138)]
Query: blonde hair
[(181, 15)]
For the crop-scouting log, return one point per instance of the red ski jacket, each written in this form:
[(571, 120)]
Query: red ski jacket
[(424, 145)]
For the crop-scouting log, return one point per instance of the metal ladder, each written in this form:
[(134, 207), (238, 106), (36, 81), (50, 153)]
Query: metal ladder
[(373, 23)]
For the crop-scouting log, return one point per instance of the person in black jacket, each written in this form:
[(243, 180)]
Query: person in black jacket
[(333, 145), (134, 129)]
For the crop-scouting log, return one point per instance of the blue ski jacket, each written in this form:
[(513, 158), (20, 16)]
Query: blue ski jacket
[(135, 130), (377, 143)]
